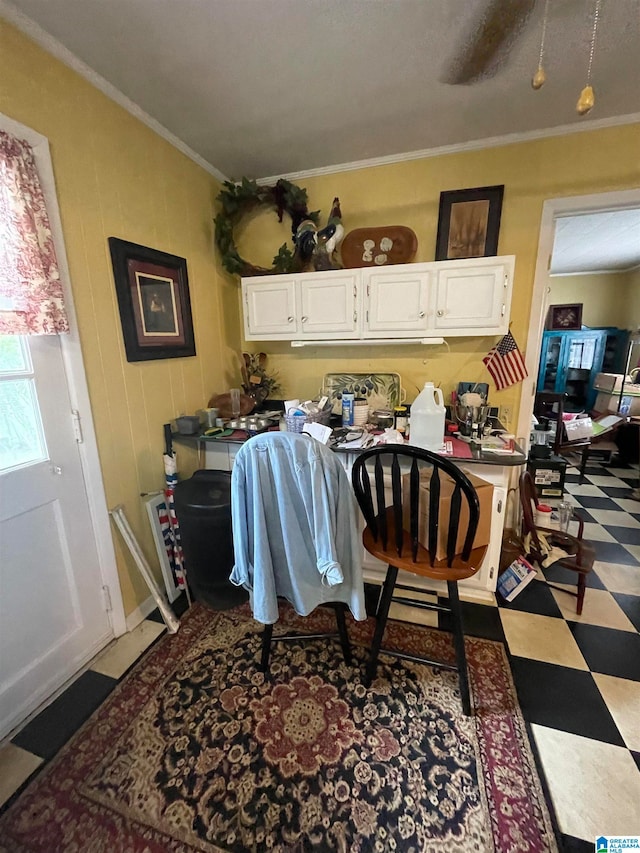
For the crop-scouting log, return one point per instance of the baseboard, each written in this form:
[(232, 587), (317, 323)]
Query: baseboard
[(141, 613)]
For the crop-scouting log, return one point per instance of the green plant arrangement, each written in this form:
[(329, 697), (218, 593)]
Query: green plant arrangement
[(238, 200)]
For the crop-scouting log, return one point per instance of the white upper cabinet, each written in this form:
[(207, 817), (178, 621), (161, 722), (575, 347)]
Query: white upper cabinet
[(406, 301), (330, 304), (320, 306), (269, 307), (397, 300), (473, 297)]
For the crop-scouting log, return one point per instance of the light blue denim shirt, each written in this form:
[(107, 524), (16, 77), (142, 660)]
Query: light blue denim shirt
[(295, 533)]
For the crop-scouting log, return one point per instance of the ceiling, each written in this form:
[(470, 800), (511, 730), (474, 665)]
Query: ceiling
[(262, 88), (597, 242)]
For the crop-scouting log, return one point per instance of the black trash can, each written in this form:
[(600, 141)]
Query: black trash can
[(203, 508)]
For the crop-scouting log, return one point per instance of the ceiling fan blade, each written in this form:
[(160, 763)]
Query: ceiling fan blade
[(486, 45)]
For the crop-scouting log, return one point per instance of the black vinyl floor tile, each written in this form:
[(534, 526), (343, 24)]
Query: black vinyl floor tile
[(630, 605), (611, 552), (479, 620), (558, 574), (615, 491), (53, 726), (624, 535), (572, 478), (608, 651), (563, 698), (592, 502), (636, 757), (584, 515), (535, 598), (570, 844)]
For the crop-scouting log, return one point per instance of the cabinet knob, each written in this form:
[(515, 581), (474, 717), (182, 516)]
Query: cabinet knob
[(304, 319), (440, 312), (289, 319), (421, 314)]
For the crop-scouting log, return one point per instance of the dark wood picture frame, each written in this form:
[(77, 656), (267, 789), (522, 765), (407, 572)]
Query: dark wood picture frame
[(469, 223), (153, 298), (564, 317)]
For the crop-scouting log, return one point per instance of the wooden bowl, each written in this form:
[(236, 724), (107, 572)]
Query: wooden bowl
[(222, 402)]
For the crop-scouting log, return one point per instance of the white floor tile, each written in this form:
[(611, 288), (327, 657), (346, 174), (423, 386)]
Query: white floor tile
[(595, 787), (16, 765), (416, 615), (596, 531), (626, 473), (586, 490), (544, 638), (599, 608), (613, 482), (616, 518), (634, 550), (627, 504), (619, 578), (127, 649), (622, 698)]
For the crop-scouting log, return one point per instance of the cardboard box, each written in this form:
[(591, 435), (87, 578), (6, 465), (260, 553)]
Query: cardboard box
[(485, 497)]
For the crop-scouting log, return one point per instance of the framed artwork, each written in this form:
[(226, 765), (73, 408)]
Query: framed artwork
[(564, 317), (468, 223), (159, 520), (153, 298)]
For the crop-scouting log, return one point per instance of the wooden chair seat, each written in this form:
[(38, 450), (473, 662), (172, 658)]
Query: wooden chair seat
[(438, 569)]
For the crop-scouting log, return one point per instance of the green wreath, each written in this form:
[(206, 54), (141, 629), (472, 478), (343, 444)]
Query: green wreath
[(237, 200)]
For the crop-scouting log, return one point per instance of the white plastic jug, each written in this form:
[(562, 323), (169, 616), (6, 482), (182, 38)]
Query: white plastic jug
[(427, 418)]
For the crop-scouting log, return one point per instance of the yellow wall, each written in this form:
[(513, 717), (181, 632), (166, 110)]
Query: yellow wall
[(633, 300), (408, 194), (115, 177), (604, 297)]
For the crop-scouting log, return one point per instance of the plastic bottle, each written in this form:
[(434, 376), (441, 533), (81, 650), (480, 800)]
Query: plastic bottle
[(427, 418)]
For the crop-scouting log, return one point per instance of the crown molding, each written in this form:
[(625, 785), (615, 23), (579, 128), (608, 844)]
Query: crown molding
[(59, 51), (458, 148)]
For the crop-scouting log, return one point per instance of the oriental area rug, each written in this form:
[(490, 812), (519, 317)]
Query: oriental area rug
[(197, 750)]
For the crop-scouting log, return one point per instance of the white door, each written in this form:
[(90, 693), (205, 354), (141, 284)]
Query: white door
[(473, 296), (53, 614), (270, 308), (329, 304), (397, 301)]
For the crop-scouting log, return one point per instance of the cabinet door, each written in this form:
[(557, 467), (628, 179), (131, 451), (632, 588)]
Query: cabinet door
[(473, 297), (329, 304), (397, 301), (269, 308), (487, 577)]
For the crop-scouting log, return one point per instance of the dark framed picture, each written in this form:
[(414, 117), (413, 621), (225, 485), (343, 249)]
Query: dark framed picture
[(468, 223), (564, 317), (153, 298)]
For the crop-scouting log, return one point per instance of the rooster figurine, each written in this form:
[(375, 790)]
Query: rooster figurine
[(316, 248)]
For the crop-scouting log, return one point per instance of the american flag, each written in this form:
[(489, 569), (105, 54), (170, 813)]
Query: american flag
[(505, 363)]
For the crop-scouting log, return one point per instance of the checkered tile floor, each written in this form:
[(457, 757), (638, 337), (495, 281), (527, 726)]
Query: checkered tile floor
[(577, 677)]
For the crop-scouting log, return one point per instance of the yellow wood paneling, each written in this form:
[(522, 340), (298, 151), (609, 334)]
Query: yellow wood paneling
[(115, 177)]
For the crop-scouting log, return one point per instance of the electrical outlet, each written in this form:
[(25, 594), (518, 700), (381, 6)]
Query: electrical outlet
[(505, 416)]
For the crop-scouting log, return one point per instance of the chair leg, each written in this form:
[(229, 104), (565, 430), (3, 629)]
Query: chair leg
[(458, 636), (582, 586), (266, 647), (381, 623), (583, 465), (342, 631)]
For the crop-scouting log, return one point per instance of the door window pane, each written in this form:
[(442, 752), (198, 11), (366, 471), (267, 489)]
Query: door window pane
[(21, 434)]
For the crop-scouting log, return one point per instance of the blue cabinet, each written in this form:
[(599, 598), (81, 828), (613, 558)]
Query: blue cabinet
[(569, 363)]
